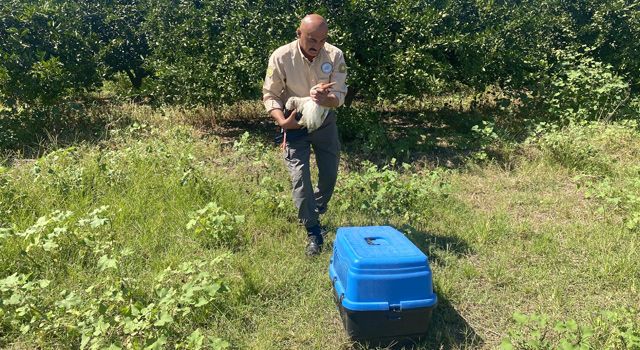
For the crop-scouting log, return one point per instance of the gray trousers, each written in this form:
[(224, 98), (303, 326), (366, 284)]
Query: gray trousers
[(326, 147)]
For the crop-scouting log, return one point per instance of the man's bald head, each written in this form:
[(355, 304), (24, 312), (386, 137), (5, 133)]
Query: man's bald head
[(313, 22), (312, 35)]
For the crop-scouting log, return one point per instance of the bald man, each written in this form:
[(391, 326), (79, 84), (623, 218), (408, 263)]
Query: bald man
[(304, 68)]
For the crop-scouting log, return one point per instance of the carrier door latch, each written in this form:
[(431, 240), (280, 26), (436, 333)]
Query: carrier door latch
[(395, 307), (395, 313)]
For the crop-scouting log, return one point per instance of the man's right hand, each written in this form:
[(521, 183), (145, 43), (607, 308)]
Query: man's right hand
[(285, 123)]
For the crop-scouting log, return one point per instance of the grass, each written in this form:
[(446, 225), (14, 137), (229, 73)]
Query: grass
[(550, 233)]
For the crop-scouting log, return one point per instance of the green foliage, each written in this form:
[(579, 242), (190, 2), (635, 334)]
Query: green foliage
[(607, 330), (578, 146), (617, 197), (613, 29), (123, 41), (485, 136), (385, 192), (363, 128), (594, 147), (60, 170), (46, 53), (78, 274), (109, 313), (581, 88), (273, 196), (492, 233), (250, 148), (55, 239), (216, 226), (215, 52), (605, 157), (199, 54)]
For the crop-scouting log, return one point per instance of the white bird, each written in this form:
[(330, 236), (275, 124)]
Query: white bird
[(313, 114)]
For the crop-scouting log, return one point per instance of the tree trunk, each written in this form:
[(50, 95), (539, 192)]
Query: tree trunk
[(136, 77)]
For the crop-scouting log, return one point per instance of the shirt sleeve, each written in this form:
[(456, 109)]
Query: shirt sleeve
[(273, 86), (339, 76)]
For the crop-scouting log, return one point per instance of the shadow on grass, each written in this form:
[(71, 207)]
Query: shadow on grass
[(261, 127), (437, 136), (440, 137), (448, 330), (28, 133)]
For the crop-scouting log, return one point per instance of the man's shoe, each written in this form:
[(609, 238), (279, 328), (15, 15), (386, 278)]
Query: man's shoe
[(314, 245)]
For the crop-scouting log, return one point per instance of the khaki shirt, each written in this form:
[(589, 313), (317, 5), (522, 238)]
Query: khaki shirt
[(291, 74)]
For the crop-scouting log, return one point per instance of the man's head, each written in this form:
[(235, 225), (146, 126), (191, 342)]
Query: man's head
[(312, 35)]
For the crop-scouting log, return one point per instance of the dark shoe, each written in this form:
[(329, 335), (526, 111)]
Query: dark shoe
[(314, 245)]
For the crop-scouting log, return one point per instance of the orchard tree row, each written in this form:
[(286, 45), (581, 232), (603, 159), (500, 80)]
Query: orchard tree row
[(210, 52)]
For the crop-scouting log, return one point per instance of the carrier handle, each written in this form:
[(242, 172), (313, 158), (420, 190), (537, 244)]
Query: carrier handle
[(371, 240)]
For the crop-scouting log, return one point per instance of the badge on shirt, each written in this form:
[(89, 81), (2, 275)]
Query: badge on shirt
[(326, 67), (342, 68), (269, 71)]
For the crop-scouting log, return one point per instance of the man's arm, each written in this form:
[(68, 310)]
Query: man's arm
[(272, 89), (274, 85)]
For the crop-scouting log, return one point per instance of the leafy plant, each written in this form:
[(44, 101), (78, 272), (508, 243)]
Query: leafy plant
[(582, 88), (486, 136), (46, 53), (216, 226), (384, 192), (110, 314), (609, 330), (364, 129), (272, 196)]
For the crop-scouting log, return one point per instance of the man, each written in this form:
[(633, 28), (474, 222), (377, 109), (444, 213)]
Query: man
[(304, 68)]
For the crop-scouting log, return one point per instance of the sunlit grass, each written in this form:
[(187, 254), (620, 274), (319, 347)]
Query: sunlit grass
[(543, 234)]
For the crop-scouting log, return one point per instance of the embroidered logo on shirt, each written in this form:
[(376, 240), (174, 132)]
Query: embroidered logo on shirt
[(269, 72), (342, 68), (326, 67)]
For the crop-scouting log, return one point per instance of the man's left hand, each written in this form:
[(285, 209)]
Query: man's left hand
[(320, 94)]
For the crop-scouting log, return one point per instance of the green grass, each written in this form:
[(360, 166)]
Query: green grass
[(550, 233)]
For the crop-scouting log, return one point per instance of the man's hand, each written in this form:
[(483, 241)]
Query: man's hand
[(285, 123), (320, 94), (291, 122)]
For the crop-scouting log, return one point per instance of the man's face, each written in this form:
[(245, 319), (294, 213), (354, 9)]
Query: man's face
[(311, 43)]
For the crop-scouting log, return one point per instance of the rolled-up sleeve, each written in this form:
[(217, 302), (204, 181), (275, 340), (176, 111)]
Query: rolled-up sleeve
[(339, 76), (273, 86)]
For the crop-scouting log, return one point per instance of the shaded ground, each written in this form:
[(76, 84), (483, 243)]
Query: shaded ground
[(433, 136), (436, 137), (30, 134)]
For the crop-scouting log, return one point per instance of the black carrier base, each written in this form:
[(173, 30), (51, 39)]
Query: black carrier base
[(385, 327)]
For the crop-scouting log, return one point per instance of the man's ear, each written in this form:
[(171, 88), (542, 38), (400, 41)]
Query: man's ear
[(298, 33)]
